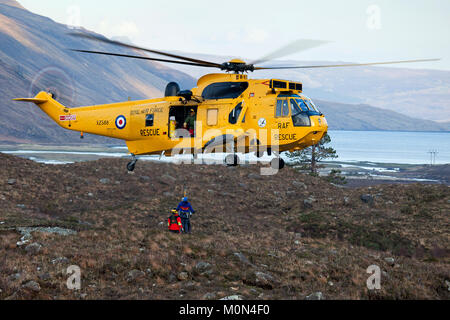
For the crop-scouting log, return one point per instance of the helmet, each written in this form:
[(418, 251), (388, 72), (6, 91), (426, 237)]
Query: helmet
[(184, 199), (174, 211)]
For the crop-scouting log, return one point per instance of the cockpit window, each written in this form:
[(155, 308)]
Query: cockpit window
[(301, 104), (295, 108), (311, 104), (224, 90), (300, 116)]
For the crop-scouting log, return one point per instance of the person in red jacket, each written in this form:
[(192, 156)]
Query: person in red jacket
[(174, 222)]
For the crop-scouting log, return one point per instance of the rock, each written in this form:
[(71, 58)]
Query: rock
[(12, 181), (33, 248), (172, 278), (308, 203), (389, 202), (144, 178), (234, 297), (104, 181), (315, 296), (21, 206), (209, 296), (202, 267), (346, 201), (168, 178), (90, 194), (182, 276), (32, 285), (299, 184), (26, 231), (254, 176), (367, 198), (296, 242), (168, 194), (242, 258), (390, 261), (134, 274), (261, 276), (15, 277), (60, 260), (44, 276), (260, 279), (447, 283)]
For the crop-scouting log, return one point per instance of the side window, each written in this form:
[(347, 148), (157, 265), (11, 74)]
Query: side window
[(211, 118), (149, 120), (285, 108), (234, 114), (279, 108), (224, 90)]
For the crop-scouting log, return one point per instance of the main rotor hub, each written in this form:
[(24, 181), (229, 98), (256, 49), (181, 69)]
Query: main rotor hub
[(237, 66)]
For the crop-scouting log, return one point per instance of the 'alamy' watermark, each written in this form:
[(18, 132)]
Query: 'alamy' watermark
[(374, 17), (374, 281), (73, 20), (74, 281)]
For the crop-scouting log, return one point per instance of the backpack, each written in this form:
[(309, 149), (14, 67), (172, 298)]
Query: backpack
[(173, 219)]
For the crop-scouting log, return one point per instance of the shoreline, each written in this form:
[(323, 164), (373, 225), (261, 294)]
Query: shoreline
[(357, 173)]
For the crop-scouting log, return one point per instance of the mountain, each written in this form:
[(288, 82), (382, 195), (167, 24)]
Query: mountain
[(341, 116), (418, 93), (34, 56)]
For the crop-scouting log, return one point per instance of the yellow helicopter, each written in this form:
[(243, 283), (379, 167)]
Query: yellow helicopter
[(226, 112)]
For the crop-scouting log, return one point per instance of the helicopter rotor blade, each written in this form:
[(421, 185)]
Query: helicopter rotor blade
[(125, 45), (344, 65), (142, 58), (291, 48)]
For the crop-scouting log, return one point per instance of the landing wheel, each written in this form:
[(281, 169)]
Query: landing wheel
[(132, 164), (277, 163), (232, 160)]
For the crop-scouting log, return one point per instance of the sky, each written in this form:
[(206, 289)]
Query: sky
[(357, 30)]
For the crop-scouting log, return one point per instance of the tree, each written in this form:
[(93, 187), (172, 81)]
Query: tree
[(308, 158)]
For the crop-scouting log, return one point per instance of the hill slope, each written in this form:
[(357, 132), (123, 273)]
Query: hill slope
[(341, 116), (279, 237), (420, 93), (34, 48)]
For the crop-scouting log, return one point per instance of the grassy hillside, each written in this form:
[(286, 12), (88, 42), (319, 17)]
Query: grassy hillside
[(281, 237)]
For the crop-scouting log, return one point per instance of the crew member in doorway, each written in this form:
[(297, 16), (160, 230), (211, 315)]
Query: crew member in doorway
[(189, 122), (186, 212), (174, 222)]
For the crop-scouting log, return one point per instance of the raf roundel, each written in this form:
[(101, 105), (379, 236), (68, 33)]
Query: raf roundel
[(121, 122)]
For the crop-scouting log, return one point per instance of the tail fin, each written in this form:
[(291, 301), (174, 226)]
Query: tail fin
[(49, 105)]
